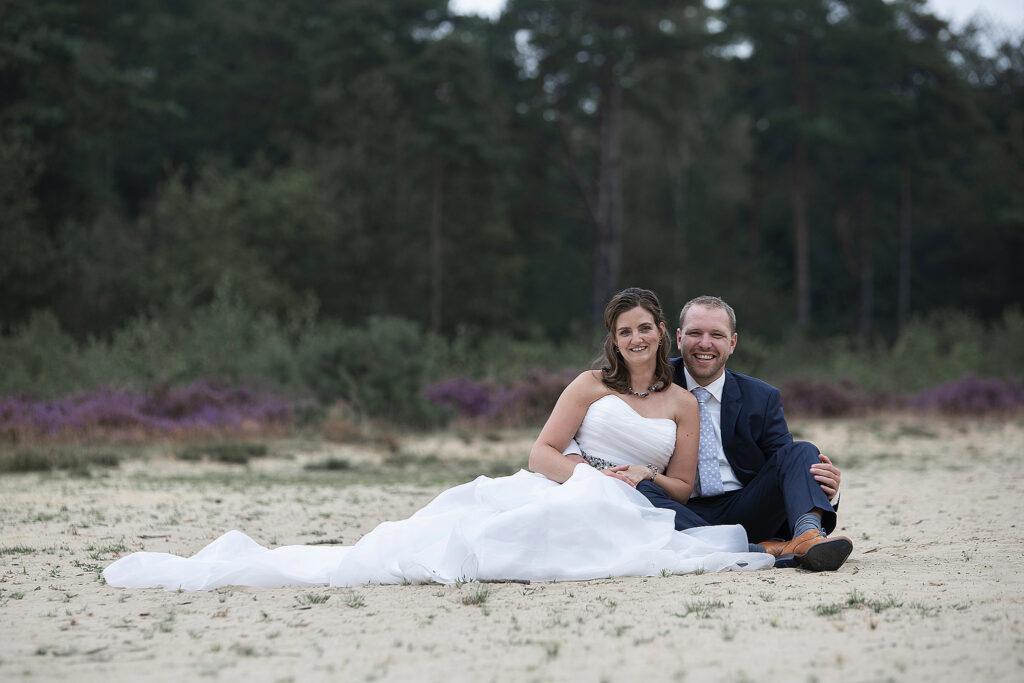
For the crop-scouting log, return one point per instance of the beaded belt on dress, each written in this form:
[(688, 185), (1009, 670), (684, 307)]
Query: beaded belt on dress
[(602, 464)]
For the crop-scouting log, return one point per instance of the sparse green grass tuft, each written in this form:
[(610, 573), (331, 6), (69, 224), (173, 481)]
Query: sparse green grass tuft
[(857, 601), (47, 458), (232, 452), (355, 600), (916, 430), (924, 610), (88, 566), (166, 624), (877, 605), (244, 650), (329, 465), (480, 596), (44, 650), (98, 553), (829, 610), (312, 599), (403, 459), (702, 608), (17, 550)]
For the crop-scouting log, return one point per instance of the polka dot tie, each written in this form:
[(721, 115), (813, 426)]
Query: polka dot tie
[(709, 476)]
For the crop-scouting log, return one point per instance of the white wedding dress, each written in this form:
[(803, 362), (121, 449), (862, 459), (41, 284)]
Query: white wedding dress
[(521, 527)]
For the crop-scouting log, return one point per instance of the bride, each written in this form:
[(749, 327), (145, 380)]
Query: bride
[(575, 516)]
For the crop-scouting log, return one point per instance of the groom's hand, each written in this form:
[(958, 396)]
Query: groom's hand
[(827, 475)]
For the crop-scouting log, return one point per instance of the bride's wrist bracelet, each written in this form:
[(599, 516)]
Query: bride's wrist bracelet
[(654, 472)]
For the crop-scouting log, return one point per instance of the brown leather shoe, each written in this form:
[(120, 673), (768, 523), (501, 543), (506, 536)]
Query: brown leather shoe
[(813, 551)]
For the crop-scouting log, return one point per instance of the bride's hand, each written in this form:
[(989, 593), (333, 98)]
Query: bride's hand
[(631, 474), (620, 473)]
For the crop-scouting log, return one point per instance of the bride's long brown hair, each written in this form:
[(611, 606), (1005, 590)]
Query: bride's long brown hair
[(614, 372)]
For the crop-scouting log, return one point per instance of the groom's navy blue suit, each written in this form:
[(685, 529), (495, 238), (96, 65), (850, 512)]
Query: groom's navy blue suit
[(773, 469)]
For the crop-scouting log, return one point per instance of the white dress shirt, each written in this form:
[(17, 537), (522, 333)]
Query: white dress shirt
[(729, 480)]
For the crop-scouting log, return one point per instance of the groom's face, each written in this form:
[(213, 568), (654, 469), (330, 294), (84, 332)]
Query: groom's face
[(706, 341)]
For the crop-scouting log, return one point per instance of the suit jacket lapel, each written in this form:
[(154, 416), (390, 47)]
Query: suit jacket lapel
[(732, 399), (677, 372)]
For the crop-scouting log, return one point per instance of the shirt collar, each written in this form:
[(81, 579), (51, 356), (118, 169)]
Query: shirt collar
[(715, 388)]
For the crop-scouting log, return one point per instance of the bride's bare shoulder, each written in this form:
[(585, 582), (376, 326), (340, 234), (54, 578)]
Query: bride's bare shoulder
[(681, 397), (588, 387)]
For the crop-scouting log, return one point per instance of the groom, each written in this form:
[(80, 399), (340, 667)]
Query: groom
[(749, 469)]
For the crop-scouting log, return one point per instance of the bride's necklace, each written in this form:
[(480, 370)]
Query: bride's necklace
[(644, 394)]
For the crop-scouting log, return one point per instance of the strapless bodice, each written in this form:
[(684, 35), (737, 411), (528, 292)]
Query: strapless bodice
[(613, 431)]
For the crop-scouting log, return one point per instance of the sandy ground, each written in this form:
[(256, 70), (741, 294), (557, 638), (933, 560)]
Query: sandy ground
[(933, 590)]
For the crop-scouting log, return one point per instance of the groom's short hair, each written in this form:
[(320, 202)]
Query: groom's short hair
[(710, 302)]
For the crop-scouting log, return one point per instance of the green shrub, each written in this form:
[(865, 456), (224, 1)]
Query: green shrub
[(936, 348), (1003, 354), (377, 367), (38, 357), (224, 338), (380, 367), (932, 349)]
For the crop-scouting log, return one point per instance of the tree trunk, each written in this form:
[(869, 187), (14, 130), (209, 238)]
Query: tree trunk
[(801, 229), (679, 177), (400, 205), (608, 219), (436, 252), (801, 236), (866, 270), (906, 232), (756, 216)]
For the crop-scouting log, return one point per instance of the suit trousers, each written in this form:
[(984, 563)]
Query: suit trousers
[(767, 507)]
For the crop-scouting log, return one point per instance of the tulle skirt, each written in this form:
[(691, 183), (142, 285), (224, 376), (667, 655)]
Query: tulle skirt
[(522, 527)]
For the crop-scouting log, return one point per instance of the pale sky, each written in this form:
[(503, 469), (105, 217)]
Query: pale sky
[(1008, 12)]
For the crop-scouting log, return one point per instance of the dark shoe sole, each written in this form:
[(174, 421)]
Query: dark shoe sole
[(826, 556), (785, 561)]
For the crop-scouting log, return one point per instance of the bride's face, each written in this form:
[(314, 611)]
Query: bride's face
[(637, 335)]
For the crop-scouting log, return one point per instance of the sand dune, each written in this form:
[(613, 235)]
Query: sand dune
[(931, 592)]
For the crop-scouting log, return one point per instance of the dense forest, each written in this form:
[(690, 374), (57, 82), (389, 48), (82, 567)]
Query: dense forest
[(834, 168)]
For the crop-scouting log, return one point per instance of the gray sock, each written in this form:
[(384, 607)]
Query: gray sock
[(806, 522), (755, 548)]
